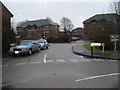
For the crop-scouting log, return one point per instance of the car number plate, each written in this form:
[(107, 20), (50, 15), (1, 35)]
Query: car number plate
[(16, 52)]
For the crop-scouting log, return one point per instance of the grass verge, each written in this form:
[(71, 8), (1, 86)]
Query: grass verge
[(88, 47)]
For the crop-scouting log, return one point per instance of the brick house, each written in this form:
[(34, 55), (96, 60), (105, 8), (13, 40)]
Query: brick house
[(77, 32), (7, 33), (100, 22), (38, 29), (6, 17)]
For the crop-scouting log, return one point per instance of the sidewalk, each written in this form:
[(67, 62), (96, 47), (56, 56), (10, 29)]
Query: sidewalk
[(80, 50)]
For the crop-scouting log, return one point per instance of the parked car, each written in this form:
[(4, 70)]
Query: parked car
[(77, 38), (44, 44), (25, 46), (73, 39)]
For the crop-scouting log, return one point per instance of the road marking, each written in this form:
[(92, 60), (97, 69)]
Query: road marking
[(50, 61), (85, 60), (35, 62), (51, 50), (46, 55), (20, 64), (4, 65), (94, 77), (45, 58), (61, 60), (98, 60), (81, 56), (113, 60), (73, 60)]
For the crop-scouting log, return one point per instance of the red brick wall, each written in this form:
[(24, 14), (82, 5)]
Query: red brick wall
[(37, 33), (6, 16)]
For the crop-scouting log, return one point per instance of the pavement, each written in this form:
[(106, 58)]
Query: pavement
[(80, 50)]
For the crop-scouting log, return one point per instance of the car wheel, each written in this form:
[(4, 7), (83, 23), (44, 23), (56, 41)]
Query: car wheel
[(47, 47), (38, 49), (30, 52)]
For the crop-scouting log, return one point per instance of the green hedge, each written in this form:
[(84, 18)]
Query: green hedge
[(58, 40)]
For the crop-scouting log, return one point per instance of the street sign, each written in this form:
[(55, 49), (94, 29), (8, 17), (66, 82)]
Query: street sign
[(96, 44), (114, 37)]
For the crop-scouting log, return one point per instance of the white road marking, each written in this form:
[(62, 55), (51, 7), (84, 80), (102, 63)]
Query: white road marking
[(94, 77), (20, 64), (81, 56), (73, 60), (46, 55), (113, 60), (45, 58), (4, 65), (35, 62), (50, 61), (85, 60), (98, 60), (61, 60), (51, 50)]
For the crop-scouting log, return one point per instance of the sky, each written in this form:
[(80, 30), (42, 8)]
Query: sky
[(76, 10)]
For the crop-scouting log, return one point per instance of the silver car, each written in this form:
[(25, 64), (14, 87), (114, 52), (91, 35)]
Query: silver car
[(44, 44), (25, 46)]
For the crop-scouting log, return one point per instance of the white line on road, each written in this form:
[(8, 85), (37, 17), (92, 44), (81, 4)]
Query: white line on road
[(20, 64), (98, 60), (94, 77), (61, 60), (46, 55), (35, 62), (73, 60), (113, 60), (4, 65), (51, 61), (45, 58)]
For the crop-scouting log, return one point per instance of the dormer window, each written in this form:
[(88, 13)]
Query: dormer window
[(28, 26), (34, 26), (93, 22)]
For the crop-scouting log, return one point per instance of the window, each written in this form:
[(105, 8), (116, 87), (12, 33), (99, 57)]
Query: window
[(48, 32)]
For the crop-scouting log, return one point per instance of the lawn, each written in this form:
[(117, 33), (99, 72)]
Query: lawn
[(88, 47)]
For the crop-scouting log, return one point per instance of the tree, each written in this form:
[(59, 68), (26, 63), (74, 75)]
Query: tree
[(21, 22), (116, 9), (66, 25), (115, 6)]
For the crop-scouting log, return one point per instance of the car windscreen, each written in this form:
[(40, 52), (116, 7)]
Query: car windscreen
[(24, 43), (40, 41)]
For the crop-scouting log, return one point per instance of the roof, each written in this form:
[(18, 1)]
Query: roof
[(77, 29), (3, 6), (111, 17), (40, 22)]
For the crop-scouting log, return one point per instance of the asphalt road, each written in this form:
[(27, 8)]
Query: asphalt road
[(59, 67)]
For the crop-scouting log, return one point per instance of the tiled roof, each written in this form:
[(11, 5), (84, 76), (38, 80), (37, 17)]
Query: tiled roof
[(78, 29), (107, 17), (40, 22)]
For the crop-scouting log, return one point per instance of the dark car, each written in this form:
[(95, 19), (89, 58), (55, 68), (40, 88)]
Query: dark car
[(25, 46)]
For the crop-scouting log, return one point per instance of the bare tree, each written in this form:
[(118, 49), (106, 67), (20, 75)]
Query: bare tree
[(21, 22), (115, 6), (116, 9), (66, 24)]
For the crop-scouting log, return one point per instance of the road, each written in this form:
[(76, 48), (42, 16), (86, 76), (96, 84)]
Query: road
[(59, 67)]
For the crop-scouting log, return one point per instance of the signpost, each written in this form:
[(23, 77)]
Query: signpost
[(97, 44), (114, 38)]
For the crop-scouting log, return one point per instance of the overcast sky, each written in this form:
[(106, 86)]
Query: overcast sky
[(77, 11)]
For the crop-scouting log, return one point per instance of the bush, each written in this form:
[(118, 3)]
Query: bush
[(58, 40), (8, 36)]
